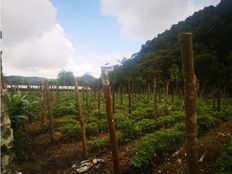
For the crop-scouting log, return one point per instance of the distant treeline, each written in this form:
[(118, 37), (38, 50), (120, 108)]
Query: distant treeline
[(64, 78)]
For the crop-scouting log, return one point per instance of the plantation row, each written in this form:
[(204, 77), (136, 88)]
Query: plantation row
[(156, 138)]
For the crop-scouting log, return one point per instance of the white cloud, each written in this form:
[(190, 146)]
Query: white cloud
[(22, 19), (33, 42), (145, 19)]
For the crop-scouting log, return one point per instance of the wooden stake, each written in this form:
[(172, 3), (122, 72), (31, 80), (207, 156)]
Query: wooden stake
[(155, 99), (81, 119), (129, 98), (99, 97), (166, 84), (185, 40), (49, 110), (148, 91), (111, 123)]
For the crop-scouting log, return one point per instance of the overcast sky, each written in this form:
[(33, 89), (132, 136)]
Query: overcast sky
[(42, 37)]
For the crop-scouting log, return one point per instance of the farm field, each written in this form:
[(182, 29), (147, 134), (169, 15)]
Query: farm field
[(116, 87), (146, 144)]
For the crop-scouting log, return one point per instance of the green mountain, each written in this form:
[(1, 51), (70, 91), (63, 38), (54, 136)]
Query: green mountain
[(212, 39)]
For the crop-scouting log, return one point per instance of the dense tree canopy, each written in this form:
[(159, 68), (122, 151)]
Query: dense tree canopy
[(212, 31)]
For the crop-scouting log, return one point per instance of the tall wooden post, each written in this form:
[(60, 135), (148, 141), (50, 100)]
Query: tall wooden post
[(113, 98), (81, 119), (99, 96), (111, 123), (166, 84), (45, 110), (155, 99), (148, 91), (218, 100), (121, 91), (57, 96), (185, 40), (49, 110), (129, 97)]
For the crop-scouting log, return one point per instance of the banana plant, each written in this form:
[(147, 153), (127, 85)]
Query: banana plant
[(20, 109)]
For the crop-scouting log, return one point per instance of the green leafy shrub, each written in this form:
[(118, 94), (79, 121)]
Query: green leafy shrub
[(158, 143), (66, 109), (224, 115), (126, 126), (70, 129), (137, 115), (99, 114), (224, 163), (149, 113), (92, 128), (68, 125), (205, 123), (70, 119), (20, 109), (146, 125), (102, 125), (98, 145)]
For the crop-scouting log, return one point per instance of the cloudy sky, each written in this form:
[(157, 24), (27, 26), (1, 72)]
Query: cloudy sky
[(42, 37)]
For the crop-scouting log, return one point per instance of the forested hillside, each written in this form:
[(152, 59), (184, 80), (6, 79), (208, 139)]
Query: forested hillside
[(160, 57)]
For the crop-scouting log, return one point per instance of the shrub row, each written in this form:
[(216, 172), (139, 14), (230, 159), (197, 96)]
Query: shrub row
[(131, 129), (224, 163), (155, 144)]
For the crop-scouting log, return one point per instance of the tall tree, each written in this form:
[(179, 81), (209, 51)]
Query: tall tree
[(65, 78)]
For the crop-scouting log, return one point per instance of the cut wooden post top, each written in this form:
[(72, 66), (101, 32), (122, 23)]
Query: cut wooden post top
[(105, 75), (184, 36)]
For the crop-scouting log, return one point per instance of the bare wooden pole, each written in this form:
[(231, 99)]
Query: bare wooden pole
[(129, 97), (45, 110), (155, 99), (81, 119), (99, 97), (110, 118), (57, 96), (113, 98), (49, 110), (185, 40), (166, 83), (148, 91)]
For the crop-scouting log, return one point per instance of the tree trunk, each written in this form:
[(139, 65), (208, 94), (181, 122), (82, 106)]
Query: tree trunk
[(49, 111), (81, 119), (185, 40), (155, 99), (111, 122)]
